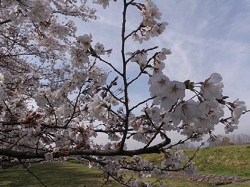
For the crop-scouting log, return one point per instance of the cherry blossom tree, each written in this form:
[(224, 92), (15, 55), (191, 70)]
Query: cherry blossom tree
[(55, 97)]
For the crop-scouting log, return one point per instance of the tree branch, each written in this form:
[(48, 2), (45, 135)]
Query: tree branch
[(125, 5), (5, 21), (32, 173), (33, 155)]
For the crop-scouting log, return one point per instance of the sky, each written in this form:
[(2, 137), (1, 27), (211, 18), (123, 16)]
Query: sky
[(204, 37)]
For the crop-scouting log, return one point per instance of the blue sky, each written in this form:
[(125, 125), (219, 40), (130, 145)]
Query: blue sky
[(204, 36)]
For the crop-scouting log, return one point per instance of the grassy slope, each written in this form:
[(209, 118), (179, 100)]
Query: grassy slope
[(227, 160), (231, 160), (52, 174), (66, 174), (74, 175)]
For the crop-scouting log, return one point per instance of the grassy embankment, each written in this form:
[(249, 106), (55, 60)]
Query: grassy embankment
[(227, 160), (231, 160)]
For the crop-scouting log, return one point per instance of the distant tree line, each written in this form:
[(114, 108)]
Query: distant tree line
[(233, 139)]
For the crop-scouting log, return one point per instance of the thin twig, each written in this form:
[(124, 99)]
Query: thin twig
[(142, 103), (32, 173), (108, 63)]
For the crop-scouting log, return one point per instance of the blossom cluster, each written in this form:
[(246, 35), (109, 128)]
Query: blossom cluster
[(148, 27)]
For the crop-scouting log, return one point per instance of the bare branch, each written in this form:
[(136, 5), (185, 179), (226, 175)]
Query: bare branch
[(108, 63), (32, 173), (5, 21), (134, 107)]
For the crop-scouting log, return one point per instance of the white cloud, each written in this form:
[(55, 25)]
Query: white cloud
[(205, 37)]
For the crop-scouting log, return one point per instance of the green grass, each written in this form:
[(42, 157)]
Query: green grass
[(227, 160), (74, 175), (53, 174), (230, 160)]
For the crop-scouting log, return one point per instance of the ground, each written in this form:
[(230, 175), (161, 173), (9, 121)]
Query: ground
[(229, 161)]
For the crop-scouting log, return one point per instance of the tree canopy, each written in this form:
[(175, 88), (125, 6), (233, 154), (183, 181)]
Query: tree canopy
[(56, 98)]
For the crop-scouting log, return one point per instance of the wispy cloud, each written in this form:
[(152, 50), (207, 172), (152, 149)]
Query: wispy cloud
[(204, 36)]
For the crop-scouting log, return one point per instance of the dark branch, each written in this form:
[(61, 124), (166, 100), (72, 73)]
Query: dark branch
[(5, 21), (32, 173)]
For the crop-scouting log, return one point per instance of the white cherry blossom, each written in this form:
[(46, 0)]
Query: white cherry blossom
[(104, 3), (159, 83), (175, 90), (238, 108), (212, 87)]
